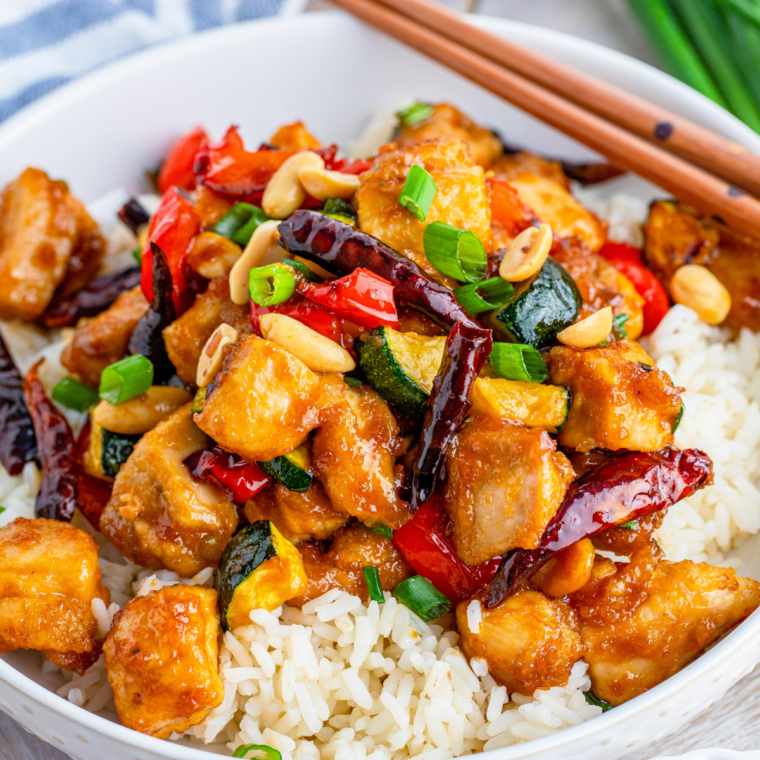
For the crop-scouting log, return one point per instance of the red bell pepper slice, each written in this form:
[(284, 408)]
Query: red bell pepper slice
[(507, 210), (172, 228), (363, 297), (352, 165), (425, 547), (240, 479), (627, 260), (92, 493), (312, 315), (177, 168)]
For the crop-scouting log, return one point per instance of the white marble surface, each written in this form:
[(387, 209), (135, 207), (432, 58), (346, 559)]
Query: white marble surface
[(733, 723)]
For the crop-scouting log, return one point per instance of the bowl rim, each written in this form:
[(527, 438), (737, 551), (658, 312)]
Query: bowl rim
[(744, 635)]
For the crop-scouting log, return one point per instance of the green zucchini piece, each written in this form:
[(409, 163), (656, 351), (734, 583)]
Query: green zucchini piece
[(293, 470), (542, 307), (400, 366), (259, 569), (116, 450)]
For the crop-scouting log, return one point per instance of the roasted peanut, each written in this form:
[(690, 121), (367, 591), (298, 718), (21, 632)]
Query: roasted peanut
[(322, 184), (141, 413), (314, 350), (568, 571), (590, 331), (285, 193), (211, 358), (699, 289), (262, 249), (526, 254), (213, 255)]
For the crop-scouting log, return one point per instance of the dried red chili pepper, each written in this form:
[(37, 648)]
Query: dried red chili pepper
[(620, 490), (427, 549), (92, 493), (147, 338), (340, 248), (17, 442), (134, 215), (91, 300), (57, 497), (240, 479)]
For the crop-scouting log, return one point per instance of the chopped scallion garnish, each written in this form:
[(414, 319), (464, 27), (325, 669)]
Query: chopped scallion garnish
[(264, 751), (422, 598), (372, 579), (680, 416), (418, 192), (486, 295), (300, 267), (137, 256), (514, 361), (74, 395), (2, 509), (339, 207), (240, 222), (592, 699), (382, 530), (343, 218), (126, 379), (457, 253), (632, 525), (619, 331), (271, 285), (354, 382), (414, 113), (199, 400)]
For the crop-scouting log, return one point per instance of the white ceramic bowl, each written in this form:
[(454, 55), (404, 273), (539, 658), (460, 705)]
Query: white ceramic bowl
[(104, 130)]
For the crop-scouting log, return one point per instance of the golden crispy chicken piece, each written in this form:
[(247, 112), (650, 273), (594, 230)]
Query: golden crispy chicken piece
[(530, 642), (620, 399), (298, 516), (294, 136), (186, 336), (162, 660), (449, 122), (543, 190), (158, 515), (461, 199), (644, 621), (265, 401), (504, 484), (49, 576), (601, 284), (342, 566), (43, 231), (105, 338), (353, 457)]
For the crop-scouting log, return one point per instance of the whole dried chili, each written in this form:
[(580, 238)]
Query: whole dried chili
[(240, 479), (92, 493), (614, 493), (17, 442), (340, 248), (134, 215), (147, 338), (91, 300), (57, 497)]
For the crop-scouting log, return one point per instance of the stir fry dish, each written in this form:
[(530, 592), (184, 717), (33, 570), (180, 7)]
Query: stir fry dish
[(412, 379)]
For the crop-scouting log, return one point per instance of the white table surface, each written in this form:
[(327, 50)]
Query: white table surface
[(733, 723)]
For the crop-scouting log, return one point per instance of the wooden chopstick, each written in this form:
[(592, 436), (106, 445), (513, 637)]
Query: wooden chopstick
[(715, 153), (686, 182)]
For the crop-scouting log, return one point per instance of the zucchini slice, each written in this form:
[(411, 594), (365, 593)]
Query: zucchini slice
[(532, 404), (400, 366), (542, 307), (293, 470), (106, 452), (259, 569)]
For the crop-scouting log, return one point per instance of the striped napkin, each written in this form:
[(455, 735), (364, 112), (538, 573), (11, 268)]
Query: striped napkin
[(46, 43)]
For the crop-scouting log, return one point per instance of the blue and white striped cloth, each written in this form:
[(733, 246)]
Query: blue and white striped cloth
[(46, 43)]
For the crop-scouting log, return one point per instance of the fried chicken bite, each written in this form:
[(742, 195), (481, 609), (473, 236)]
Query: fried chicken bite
[(49, 577), (161, 657)]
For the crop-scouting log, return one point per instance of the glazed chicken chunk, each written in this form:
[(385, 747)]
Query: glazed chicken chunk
[(620, 399), (504, 484), (46, 237), (643, 622), (49, 577), (160, 517), (530, 642), (161, 659)]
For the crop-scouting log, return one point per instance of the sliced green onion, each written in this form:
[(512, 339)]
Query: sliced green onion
[(264, 750), (354, 382), (340, 207), (592, 699), (680, 416), (343, 218), (422, 598), (414, 113), (240, 222), (418, 192), (619, 330), (74, 395), (372, 579), (485, 295), (646, 367), (126, 379), (632, 525), (382, 530), (300, 267), (271, 284), (514, 361), (457, 253), (199, 400), (2, 509), (137, 256)]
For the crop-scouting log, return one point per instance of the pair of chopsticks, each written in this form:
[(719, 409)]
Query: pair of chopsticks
[(631, 132)]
